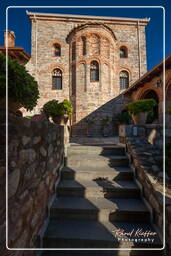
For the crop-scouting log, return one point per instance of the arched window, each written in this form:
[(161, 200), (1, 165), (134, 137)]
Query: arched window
[(57, 79), (94, 71), (57, 50), (84, 50), (124, 80), (123, 52), (73, 50)]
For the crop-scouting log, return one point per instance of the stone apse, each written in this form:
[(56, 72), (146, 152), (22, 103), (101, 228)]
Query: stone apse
[(94, 59)]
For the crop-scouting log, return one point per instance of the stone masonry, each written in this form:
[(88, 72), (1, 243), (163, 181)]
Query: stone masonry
[(83, 39), (36, 156)]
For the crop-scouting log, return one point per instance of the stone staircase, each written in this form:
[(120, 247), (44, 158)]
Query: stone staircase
[(96, 198)]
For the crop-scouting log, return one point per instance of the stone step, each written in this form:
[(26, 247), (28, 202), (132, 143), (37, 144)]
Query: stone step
[(98, 150), (94, 140), (93, 234), (98, 188), (112, 173), (102, 209), (97, 161)]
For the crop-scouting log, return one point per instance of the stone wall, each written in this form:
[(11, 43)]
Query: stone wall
[(36, 155), (144, 148)]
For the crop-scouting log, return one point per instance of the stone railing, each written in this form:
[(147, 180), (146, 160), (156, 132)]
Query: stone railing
[(144, 147), (35, 158)]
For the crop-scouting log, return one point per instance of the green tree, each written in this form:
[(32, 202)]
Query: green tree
[(22, 87)]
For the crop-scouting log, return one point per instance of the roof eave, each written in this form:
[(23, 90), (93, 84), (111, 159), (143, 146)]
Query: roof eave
[(33, 15)]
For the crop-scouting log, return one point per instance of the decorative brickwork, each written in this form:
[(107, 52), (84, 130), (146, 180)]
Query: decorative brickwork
[(84, 39)]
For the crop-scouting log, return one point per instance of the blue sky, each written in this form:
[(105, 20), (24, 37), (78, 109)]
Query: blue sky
[(19, 23)]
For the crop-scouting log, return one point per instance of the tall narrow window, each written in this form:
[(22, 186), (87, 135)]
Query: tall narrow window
[(94, 71), (73, 50), (57, 50), (123, 52), (124, 80), (84, 45), (57, 79)]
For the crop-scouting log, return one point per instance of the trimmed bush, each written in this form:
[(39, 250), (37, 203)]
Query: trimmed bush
[(22, 87), (66, 107), (123, 117), (136, 107), (53, 108)]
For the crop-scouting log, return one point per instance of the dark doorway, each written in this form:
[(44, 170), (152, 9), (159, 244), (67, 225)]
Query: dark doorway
[(154, 114)]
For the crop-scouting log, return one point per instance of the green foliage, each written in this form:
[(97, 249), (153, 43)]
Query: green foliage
[(139, 106), (123, 117), (53, 108), (28, 117), (66, 107), (151, 117), (168, 159), (22, 87)]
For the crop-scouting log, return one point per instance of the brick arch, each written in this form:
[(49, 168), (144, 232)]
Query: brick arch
[(142, 91), (90, 25), (53, 66), (53, 42), (82, 62), (125, 69), (96, 58)]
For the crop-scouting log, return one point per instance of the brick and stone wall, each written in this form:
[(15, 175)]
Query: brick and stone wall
[(36, 156), (144, 146), (101, 39)]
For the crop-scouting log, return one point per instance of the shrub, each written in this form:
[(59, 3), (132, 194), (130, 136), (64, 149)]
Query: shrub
[(151, 117), (22, 87), (139, 106), (53, 108), (66, 107), (123, 117)]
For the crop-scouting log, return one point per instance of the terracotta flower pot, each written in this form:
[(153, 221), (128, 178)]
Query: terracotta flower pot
[(140, 119)]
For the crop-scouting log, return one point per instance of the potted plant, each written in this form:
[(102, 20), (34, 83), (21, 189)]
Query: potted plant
[(123, 117), (22, 88), (105, 122), (89, 121), (60, 112), (139, 110), (66, 109)]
